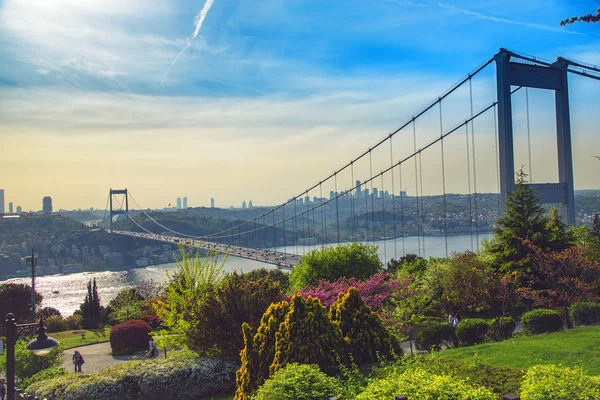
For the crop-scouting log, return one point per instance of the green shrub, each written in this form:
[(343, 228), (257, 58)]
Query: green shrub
[(299, 381), (472, 331), (368, 340), (549, 382), (501, 328), (541, 321), (419, 384), (434, 337), (73, 322), (43, 375), (28, 364), (55, 323), (355, 260), (586, 313), (129, 337)]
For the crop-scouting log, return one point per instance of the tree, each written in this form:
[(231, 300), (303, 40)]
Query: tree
[(90, 308), (16, 298), (564, 277), (193, 280), (355, 260), (466, 281), (560, 237), (236, 300), (523, 220), (596, 225), (48, 311), (126, 306), (584, 18)]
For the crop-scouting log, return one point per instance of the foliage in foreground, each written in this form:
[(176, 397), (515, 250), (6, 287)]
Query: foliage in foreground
[(173, 378), (419, 384), (299, 381), (28, 364), (549, 382)]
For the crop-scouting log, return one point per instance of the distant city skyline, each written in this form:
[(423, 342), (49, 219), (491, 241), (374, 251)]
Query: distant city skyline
[(268, 98)]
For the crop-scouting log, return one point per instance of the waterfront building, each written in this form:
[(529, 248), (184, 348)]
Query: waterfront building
[(185, 203), (212, 202), (47, 205), (19, 209)]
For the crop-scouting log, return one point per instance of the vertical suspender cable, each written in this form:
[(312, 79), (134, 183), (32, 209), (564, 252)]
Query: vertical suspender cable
[(418, 217), (337, 210), (322, 215), (497, 161), (422, 205), (284, 241), (443, 179), (353, 194), (528, 134), (296, 226), (402, 209), (274, 233), (474, 164), (385, 259), (469, 185), (393, 200), (372, 197)]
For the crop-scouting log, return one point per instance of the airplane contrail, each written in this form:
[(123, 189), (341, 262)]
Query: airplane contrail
[(198, 20)]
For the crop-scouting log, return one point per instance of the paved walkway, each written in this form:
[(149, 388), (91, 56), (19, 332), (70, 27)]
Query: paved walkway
[(96, 356)]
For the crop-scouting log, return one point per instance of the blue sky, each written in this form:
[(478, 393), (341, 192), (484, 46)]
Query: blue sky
[(268, 98)]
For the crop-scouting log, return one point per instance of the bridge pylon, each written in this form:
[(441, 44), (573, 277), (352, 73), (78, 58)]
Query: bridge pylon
[(549, 77), (120, 210)]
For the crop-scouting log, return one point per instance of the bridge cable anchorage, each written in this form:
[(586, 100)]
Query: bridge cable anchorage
[(417, 208), (393, 200), (528, 134), (383, 214), (443, 179), (469, 184), (474, 164)]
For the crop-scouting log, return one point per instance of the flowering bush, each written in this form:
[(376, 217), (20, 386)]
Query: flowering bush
[(375, 291), (129, 337), (180, 378)]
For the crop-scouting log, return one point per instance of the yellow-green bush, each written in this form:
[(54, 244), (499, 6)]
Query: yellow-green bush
[(299, 381), (419, 384), (549, 382)]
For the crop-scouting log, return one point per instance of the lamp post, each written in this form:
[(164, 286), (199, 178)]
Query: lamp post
[(40, 346), (32, 284)]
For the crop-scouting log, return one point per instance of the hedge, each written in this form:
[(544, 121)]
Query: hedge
[(501, 328), (541, 321), (129, 337), (434, 337), (549, 382), (586, 313), (472, 331)]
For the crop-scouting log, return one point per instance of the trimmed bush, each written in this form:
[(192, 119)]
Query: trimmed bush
[(129, 337), (471, 331), (541, 321), (299, 381), (501, 328), (55, 323), (362, 329), (419, 384), (586, 313), (434, 337), (549, 382), (73, 322)]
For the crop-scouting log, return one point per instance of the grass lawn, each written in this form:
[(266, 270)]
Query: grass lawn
[(575, 347), (70, 339)]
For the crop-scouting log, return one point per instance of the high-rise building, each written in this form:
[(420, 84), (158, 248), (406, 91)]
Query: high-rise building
[(10, 207), (1, 201), (212, 202), (47, 205), (244, 204), (184, 203), (179, 203), (358, 190), (19, 209), (375, 193), (250, 205)]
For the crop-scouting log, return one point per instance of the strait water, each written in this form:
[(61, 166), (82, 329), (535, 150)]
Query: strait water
[(72, 288)]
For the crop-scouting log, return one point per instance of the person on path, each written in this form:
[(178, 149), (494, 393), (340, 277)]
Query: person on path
[(77, 361), (2, 389), (456, 320), (451, 318), (151, 348)]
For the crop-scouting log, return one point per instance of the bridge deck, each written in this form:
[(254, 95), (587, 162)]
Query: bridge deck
[(280, 259)]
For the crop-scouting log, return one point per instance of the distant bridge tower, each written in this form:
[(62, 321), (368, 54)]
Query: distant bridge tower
[(541, 77), (120, 210)]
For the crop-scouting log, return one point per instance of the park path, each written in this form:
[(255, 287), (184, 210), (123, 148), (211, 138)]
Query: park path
[(96, 357)]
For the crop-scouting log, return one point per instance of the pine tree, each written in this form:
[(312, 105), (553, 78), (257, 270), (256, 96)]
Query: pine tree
[(524, 220), (560, 237), (362, 329)]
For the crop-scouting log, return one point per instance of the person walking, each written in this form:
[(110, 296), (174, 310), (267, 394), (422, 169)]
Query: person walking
[(77, 361), (456, 319), (151, 348), (2, 389)]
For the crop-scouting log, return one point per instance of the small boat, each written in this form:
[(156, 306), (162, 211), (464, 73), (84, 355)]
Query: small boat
[(55, 291)]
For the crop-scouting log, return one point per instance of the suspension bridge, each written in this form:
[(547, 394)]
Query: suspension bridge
[(445, 171)]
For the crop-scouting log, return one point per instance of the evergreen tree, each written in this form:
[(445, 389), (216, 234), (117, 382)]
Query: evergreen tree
[(560, 237), (90, 308), (524, 219), (596, 225)]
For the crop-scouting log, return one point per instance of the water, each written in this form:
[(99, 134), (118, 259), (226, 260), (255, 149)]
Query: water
[(73, 288)]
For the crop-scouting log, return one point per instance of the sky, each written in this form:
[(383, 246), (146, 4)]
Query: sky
[(243, 100)]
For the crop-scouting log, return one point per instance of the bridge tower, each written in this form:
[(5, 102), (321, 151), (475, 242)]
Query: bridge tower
[(119, 211), (554, 78)]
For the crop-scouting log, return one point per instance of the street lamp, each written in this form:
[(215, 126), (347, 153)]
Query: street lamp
[(40, 346)]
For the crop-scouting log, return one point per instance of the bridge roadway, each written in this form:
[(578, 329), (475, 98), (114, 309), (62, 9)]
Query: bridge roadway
[(280, 259)]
